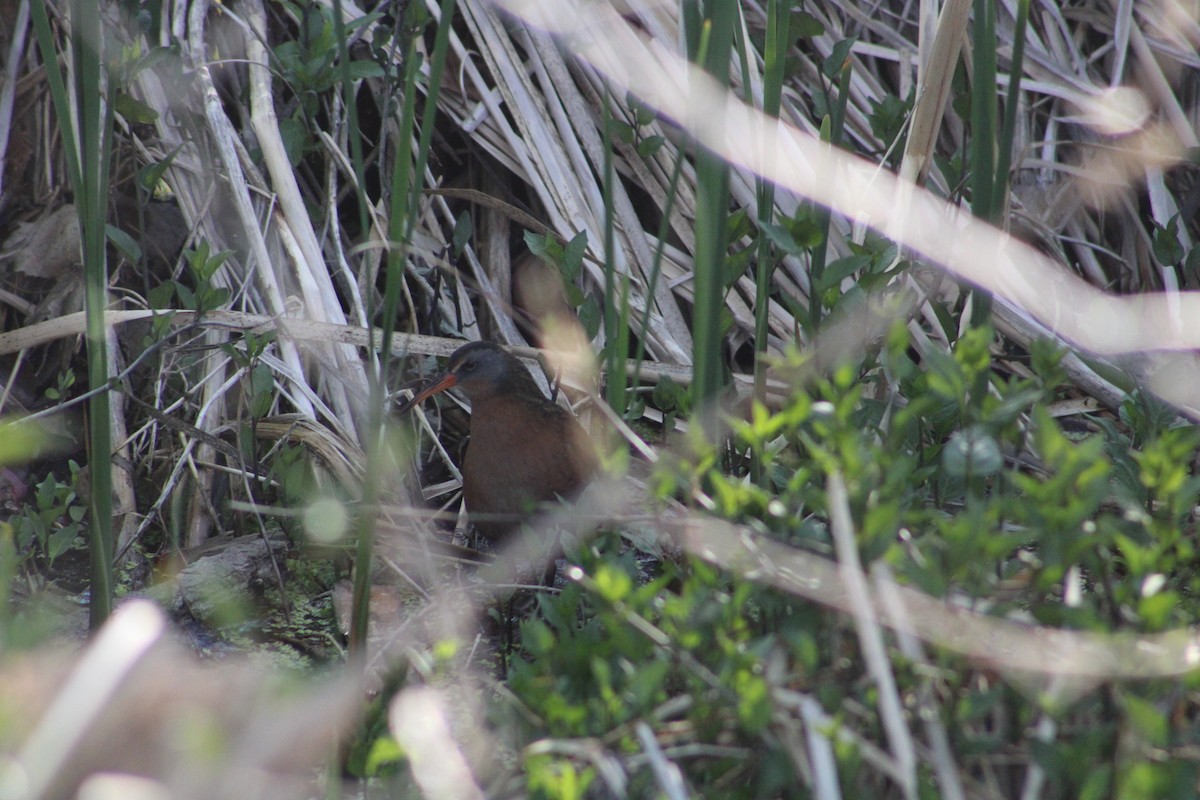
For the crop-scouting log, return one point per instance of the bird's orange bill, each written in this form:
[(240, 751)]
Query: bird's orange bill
[(447, 381)]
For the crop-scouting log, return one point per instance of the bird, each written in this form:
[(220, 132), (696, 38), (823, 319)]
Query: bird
[(524, 449)]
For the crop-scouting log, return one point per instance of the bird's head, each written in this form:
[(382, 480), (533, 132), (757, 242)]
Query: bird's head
[(481, 370)]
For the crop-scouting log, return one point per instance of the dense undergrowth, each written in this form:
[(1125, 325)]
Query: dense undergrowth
[(902, 539), (964, 484)]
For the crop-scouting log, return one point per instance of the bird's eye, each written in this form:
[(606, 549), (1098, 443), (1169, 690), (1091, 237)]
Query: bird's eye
[(468, 366)]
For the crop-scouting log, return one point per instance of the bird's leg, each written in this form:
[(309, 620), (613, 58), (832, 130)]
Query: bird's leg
[(507, 634), (551, 556), (550, 571), (496, 626)]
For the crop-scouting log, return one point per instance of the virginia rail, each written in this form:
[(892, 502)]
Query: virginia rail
[(524, 449)]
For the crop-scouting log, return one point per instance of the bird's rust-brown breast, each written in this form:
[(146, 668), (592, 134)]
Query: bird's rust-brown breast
[(523, 451)]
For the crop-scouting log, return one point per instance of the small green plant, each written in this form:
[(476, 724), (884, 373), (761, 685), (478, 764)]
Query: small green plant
[(201, 296), (62, 385), (53, 523), (1165, 243), (204, 265), (260, 380), (292, 470), (889, 124), (631, 131), (568, 260), (309, 65)]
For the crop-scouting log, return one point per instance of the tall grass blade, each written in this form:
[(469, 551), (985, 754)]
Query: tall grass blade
[(983, 133), (712, 213), (349, 101), (88, 168), (1012, 104), (664, 229), (831, 134), (616, 316), (983, 110), (774, 56)]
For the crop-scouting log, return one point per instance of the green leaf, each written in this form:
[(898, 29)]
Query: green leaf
[(944, 376), (385, 751), (62, 540), (806, 226), (736, 264), (1165, 241), (257, 343), (573, 294), (1147, 719), (650, 145), (572, 256), (1157, 610), (803, 25), (545, 247), (295, 138), (464, 229), (213, 298), (1191, 264), (590, 316), (123, 242), (621, 131), (134, 110), (612, 584), (206, 269), (262, 379), (667, 394), (972, 453), (781, 237), (366, 69), (365, 19), (888, 117), (187, 298), (753, 707), (737, 226), (838, 58), (840, 269), (288, 54), (1098, 783), (152, 174), (642, 113), (262, 390)]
